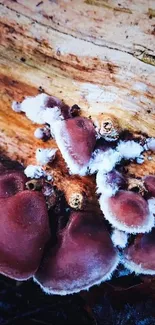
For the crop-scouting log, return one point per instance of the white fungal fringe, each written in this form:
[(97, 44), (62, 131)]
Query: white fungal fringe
[(33, 171), (38, 133), (51, 115), (36, 110), (104, 161), (16, 107), (119, 238), (33, 107), (80, 285), (136, 268), (129, 149), (145, 227), (103, 187), (151, 204), (62, 142), (44, 156), (150, 144)]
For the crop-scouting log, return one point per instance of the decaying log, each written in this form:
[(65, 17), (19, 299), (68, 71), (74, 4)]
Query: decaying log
[(97, 54)]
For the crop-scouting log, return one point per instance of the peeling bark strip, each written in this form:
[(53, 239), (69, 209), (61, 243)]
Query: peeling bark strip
[(97, 54)]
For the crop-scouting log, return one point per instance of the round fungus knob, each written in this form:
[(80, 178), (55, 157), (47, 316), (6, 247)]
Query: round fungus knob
[(127, 211), (84, 256), (12, 183), (24, 232), (76, 139), (139, 257), (149, 182)]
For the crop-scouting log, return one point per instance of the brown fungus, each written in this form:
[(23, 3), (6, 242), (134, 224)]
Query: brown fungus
[(149, 182), (127, 211), (12, 182), (139, 257), (109, 183), (76, 140), (84, 256), (24, 233)]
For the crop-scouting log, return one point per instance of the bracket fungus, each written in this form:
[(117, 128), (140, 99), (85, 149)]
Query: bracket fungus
[(127, 211), (83, 252), (76, 140), (84, 256), (139, 257)]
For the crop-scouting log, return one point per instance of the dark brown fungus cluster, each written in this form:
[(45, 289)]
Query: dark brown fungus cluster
[(83, 253), (82, 256)]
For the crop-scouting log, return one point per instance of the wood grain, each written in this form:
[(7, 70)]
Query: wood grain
[(97, 54)]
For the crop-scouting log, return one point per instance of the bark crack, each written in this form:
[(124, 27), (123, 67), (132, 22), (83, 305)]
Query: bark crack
[(139, 54)]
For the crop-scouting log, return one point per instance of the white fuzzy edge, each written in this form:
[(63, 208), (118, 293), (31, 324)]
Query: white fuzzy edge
[(44, 156), (73, 167), (34, 171), (16, 279), (129, 149), (103, 161), (138, 269), (119, 238), (151, 204), (38, 133), (103, 187), (146, 227), (16, 107), (85, 287), (150, 144)]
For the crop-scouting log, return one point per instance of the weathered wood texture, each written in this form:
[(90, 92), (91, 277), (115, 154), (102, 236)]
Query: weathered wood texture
[(97, 54)]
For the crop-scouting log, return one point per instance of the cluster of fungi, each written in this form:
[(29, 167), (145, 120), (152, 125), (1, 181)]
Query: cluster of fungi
[(90, 245)]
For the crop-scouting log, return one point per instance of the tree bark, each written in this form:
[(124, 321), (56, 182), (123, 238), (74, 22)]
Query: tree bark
[(97, 54)]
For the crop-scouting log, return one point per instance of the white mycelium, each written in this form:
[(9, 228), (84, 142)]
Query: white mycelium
[(103, 186), (119, 238), (104, 161), (44, 156), (33, 171), (129, 149)]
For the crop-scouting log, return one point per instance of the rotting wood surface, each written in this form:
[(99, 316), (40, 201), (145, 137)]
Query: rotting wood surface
[(97, 54)]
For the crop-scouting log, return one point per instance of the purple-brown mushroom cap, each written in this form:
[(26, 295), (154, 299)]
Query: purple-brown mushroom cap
[(84, 256), (127, 211), (11, 183), (52, 101), (139, 257), (76, 139), (149, 182), (24, 231)]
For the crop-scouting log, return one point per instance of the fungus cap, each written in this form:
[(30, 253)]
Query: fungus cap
[(139, 257), (84, 256), (24, 232), (127, 211), (76, 139)]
